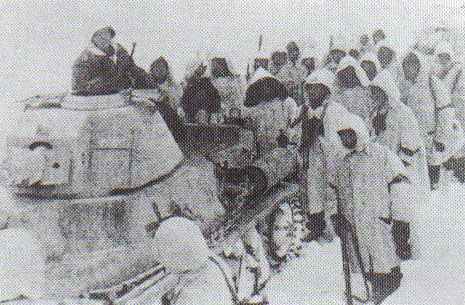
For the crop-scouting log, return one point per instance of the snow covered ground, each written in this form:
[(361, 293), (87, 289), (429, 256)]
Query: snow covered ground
[(438, 277)]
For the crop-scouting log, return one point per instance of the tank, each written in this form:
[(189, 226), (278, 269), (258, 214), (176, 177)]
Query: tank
[(91, 177)]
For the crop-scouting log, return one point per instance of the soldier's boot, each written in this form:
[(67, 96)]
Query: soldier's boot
[(384, 285)]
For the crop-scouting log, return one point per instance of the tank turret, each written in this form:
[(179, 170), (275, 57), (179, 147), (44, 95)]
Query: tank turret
[(88, 147), (76, 168)]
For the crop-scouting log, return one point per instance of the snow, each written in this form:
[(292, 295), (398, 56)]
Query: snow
[(38, 48), (437, 277), (316, 277)]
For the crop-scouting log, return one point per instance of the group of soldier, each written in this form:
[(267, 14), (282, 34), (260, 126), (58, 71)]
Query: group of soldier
[(375, 131)]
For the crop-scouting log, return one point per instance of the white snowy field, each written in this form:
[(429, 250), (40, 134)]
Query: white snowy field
[(438, 277)]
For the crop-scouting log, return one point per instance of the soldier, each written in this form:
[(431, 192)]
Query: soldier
[(95, 72), (200, 98), (370, 175), (293, 74), (450, 71), (365, 44), (228, 83), (309, 61), (162, 78), (433, 108), (378, 36), (337, 51), (203, 277), (278, 60), (353, 93), (394, 124), (317, 117)]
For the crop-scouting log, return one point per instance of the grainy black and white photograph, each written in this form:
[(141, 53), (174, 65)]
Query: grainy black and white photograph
[(226, 152)]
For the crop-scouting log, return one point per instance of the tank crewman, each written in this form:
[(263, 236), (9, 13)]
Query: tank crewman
[(96, 72)]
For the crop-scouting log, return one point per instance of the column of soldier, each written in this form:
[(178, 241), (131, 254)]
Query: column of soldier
[(376, 131)]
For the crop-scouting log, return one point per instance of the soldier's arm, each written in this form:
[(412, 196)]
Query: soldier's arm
[(401, 190)]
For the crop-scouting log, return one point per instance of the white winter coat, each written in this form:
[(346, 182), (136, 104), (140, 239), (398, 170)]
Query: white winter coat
[(231, 91), (402, 134), (454, 80), (321, 155), (293, 76), (357, 100), (431, 103), (368, 190)]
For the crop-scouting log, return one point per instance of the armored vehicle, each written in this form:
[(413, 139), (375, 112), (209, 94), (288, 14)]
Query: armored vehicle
[(90, 178)]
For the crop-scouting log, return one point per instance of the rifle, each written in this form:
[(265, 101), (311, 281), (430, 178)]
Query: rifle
[(345, 255), (345, 258), (133, 49)]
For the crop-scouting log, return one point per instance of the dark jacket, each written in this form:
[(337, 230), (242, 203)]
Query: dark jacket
[(200, 94), (94, 74)]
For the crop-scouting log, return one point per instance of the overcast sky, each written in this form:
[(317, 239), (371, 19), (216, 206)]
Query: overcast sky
[(40, 39)]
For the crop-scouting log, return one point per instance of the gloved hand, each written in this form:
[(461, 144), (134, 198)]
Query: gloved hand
[(340, 224), (316, 224), (401, 235)]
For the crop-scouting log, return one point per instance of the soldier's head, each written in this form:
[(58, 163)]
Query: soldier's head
[(159, 69), (386, 56), (444, 54), (378, 36), (354, 53), (348, 138), (261, 62), (370, 67), (318, 87), (279, 58), (364, 40), (103, 40), (334, 58), (219, 67), (411, 66), (293, 51), (309, 63)]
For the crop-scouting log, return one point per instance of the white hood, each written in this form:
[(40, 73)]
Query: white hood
[(322, 76), (348, 120), (261, 74), (425, 66), (180, 245), (371, 57), (444, 47), (349, 61), (221, 54), (385, 82)]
